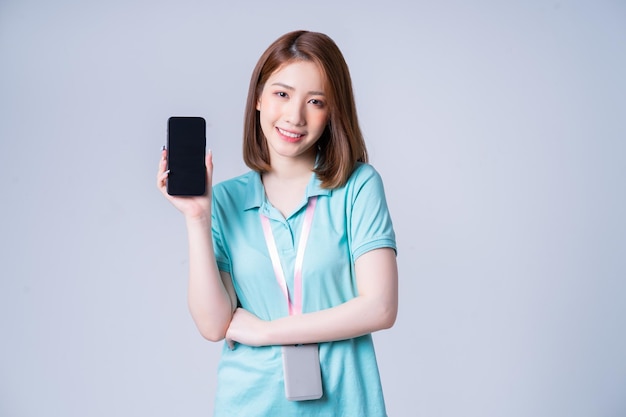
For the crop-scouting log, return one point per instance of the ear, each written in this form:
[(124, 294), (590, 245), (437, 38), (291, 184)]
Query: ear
[(258, 104)]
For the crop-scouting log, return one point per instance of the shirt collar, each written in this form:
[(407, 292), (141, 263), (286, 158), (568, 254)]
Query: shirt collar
[(255, 193)]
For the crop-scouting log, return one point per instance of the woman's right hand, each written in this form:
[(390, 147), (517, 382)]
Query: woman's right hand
[(192, 207)]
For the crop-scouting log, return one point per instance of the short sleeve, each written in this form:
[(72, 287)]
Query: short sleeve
[(221, 255), (371, 226)]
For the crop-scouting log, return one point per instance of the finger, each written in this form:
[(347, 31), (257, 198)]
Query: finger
[(162, 172), (209, 164), (163, 160), (162, 186), (230, 343), (162, 178), (208, 161)]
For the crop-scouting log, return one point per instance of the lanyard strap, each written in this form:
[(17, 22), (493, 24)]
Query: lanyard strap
[(295, 305)]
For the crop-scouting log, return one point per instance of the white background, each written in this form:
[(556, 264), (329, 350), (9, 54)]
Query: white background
[(499, 129)]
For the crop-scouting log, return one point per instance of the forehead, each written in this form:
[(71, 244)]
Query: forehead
[(304, 75)]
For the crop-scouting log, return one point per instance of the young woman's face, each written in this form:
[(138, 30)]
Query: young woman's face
[(293, 110)]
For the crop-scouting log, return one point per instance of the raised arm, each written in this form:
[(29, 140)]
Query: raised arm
[(211, 296)]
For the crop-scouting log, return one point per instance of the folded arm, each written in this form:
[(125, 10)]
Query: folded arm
[(374, 308)]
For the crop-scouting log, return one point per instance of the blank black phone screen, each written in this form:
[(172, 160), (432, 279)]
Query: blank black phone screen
[(186, 144)]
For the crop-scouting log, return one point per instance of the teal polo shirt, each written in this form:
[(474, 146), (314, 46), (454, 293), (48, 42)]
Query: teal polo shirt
[(348, 222)]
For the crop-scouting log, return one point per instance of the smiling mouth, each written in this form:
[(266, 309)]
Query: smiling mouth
[(290, 135)]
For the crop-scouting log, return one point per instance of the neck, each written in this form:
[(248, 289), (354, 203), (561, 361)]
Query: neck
[(285, 184), (286, 169)]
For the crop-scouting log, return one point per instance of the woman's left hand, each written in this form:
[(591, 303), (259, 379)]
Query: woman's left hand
[(245, 328)]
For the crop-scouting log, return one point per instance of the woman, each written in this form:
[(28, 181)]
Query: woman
[(302, 249)]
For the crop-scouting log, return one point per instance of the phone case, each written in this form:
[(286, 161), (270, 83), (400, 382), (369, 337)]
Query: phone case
[(301, 369), (186, 151)]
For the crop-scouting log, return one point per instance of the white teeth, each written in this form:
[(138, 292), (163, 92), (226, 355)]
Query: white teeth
[(291, 135)]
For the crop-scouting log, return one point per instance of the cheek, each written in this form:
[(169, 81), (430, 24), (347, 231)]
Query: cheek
[(269, 109), (267, 118), (320, 119)]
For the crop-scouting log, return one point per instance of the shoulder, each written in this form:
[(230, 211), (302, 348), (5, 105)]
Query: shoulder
[(364, 175), (235, 185), (363, 170), (237, 193)]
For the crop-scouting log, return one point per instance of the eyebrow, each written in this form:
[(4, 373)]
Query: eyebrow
[(288, 87)]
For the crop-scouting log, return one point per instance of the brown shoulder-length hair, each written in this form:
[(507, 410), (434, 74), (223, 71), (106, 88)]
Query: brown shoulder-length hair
[(341, 144)]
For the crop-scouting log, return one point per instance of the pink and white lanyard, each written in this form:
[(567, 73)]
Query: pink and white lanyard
[(295, 305)]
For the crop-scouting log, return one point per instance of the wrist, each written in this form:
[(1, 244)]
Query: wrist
[(267, 335), (198, 220), (199, 217)]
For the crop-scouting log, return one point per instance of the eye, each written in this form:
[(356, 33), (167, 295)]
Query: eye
[(316, 102), (281, 94)]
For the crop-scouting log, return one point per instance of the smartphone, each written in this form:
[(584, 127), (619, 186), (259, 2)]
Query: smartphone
[(301, 371), (186, 150)]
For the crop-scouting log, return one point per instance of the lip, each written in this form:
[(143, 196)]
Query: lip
[(289, 136)]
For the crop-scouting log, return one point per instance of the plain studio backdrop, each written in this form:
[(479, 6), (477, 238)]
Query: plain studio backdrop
[(499, 129)]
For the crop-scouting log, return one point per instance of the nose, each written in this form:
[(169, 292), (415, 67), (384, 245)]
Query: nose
[(295, 113)]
